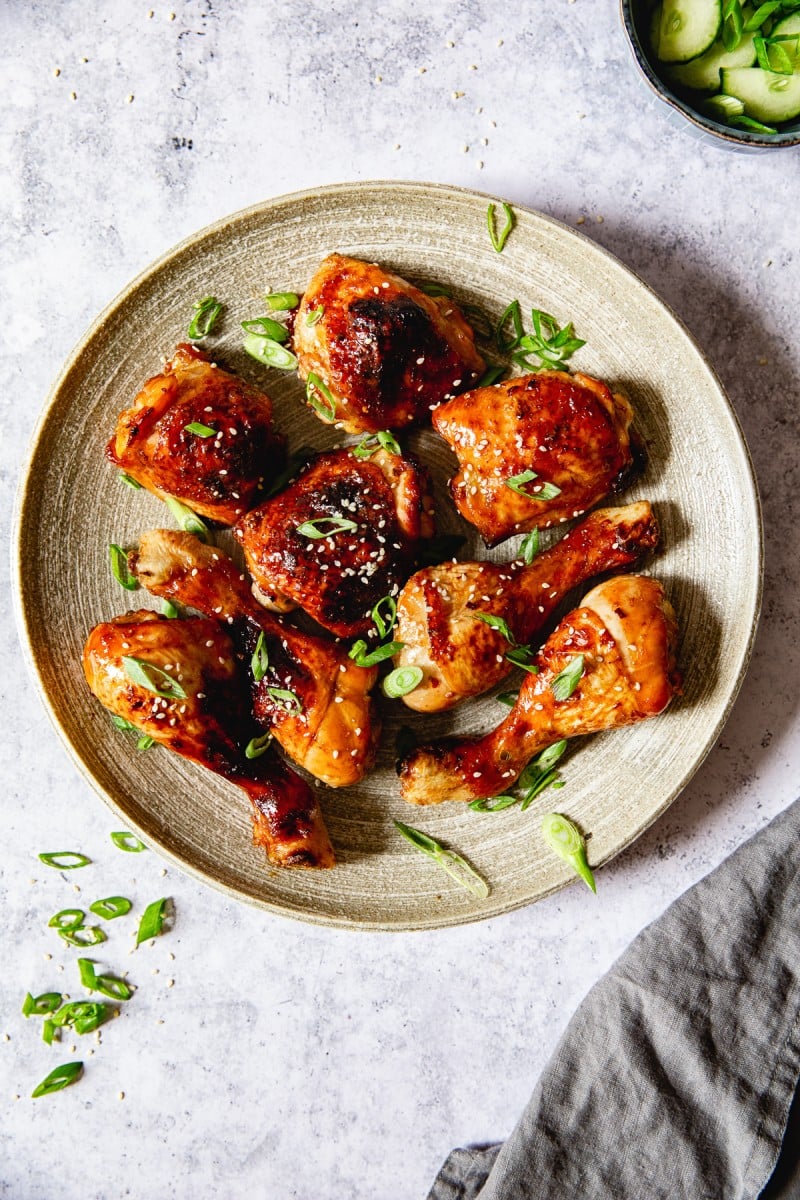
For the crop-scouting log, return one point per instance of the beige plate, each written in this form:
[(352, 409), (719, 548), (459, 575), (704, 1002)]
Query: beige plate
[(699, 478)]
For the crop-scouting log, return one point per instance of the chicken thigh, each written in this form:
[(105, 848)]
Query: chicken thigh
[(341, 537), (536, 450), (619, 648), (306, 690), (440, 609), (384, 352), (179, 682), (201, 435)]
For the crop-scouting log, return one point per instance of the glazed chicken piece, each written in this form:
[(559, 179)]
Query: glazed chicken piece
[(341, 537), (463, 656), (625, 629), (312, 697), (179, 681), (536, 450), (386, 353), (163, 440)]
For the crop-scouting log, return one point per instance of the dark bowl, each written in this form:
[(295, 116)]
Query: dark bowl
[(636, 22)]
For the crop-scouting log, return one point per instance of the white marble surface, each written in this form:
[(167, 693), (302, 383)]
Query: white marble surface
[(288, 1060)]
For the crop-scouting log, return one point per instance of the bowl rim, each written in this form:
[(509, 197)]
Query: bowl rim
[(740, 138)]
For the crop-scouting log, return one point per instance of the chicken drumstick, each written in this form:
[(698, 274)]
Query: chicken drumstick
[(179, 681), (460, 654), (620, 642)]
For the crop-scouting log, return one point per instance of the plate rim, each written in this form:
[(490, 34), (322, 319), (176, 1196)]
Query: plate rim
[(22, 501)]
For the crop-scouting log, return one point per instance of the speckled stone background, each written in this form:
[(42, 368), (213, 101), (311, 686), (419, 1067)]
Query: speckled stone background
[(261, 1057)]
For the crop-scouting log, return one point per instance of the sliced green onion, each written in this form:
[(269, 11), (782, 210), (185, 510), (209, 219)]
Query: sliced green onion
[(113, 987), (75, 1010), (188, 520), (152, 921), (567, 680), (513, 312), (64, 860), (91, 1018), (169, 609), (83, 935), (40, 1005), (372, 442), (315, 315), (549, 344), (269, 352), (59, 1078), (83, 1016), (542, 491), (205, 316), (258, 746), (496, 623), (259, 663), (499, 239), (749, 124), (732, 25), (757, 19), (148, 675), (493, 803), (385, 623), (434, 289), (67, 918), (128, 842), (548, 758), (289, 699), (111, 907), (548, 779), (507, 698), (143, 741), (267, 327), (529, 546), (86, 971), (200, 430), (120, 569), (318, 395), (401, 681), (491, 375), (566, 839), (521, 656), (360, 656), (456, 867), (282, 301), (311, 529), (48, 1032), (130, 481)]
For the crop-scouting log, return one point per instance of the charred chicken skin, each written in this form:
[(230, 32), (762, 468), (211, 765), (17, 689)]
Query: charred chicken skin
[(197, 705), (313, 697), (339, 539), (460, 654), (625, 629), (385, 351), (163, 440), (536, 450)]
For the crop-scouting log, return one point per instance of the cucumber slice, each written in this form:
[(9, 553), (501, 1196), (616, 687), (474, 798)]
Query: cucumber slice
[(765, 95), (702, 74), (687, 28)]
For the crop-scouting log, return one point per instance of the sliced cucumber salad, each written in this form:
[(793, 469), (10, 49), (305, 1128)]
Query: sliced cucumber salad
[(737, 63)]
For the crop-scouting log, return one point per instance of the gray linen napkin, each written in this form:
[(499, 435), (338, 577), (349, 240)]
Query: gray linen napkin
[(674, 1079)]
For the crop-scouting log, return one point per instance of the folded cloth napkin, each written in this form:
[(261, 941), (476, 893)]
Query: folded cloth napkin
[(675, 1078)]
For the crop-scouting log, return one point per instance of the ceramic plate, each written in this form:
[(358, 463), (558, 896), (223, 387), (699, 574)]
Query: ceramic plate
[(699, 479)]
